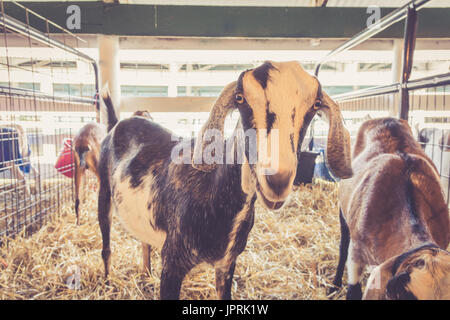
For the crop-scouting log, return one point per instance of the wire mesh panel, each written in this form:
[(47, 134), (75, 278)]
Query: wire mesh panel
[(47, 92), (358, 110), (429, 115)]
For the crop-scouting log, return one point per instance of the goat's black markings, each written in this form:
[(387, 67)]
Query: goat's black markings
[(247, 123), (293, 116), (81, 150), (354, 292), (270, 117), (261, 74), (396, 287), (112, 118), (401, 258), (306, 121), (291, 138), (343, 251), (244, 228)]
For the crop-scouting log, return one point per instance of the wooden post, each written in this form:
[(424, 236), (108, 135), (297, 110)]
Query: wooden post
[(109, 65)]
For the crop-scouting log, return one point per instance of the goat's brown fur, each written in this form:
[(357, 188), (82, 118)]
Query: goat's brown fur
[(384, 219)]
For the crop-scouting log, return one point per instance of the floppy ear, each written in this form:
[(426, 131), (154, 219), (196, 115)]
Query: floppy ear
[(221, 108), (338, 153), (378, 280), (444, 286)]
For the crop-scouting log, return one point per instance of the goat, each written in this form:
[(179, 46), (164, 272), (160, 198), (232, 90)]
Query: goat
[(436, 144), (393, 215), (15, 152), (87, 151), (142, 113), (86, 145), (203, 211)]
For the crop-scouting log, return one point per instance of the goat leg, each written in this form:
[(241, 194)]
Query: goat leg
[(173, 272), (104, 220), (343, 253), (146, 251), (224, 280), (79, 172), (354, 270)]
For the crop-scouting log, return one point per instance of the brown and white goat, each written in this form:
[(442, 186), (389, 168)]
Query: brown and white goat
[(87, 152), (393, 215), (203, 211)]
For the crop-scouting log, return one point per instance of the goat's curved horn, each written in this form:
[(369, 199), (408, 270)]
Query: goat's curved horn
[(338, 153), (221, 108)]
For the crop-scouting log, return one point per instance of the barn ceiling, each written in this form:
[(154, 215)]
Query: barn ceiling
[(115, 17), (272, 3)]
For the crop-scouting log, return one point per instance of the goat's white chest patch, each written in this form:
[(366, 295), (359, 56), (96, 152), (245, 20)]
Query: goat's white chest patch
[(134, 212)]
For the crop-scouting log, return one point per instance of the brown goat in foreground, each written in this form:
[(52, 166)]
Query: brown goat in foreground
[(393, 215), (87, 151)]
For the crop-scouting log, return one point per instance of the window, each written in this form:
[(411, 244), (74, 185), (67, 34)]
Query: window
[(333, 90), (144, 91), (61, 64), (216, 67), (22, 85), (80, 90), (212, 91), (144, 66), (374, 67)]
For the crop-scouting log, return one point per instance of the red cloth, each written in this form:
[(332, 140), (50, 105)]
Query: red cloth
[(64, 163)]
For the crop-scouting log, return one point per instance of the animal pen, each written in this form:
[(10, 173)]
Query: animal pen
[(33, 190)]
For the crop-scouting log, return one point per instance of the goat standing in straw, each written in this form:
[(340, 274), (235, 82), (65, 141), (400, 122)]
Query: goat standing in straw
[(203, 211), (393, 215)]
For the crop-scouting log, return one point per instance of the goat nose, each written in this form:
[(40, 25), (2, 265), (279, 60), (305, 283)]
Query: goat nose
[(278, 182)]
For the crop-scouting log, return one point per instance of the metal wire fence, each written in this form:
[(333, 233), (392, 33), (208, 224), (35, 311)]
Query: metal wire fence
[(423, 102), (42, 103)]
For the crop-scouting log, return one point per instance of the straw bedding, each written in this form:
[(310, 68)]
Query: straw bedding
[(291, 254)]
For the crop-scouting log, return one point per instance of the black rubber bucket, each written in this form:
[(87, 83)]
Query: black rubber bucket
[(305, 167)]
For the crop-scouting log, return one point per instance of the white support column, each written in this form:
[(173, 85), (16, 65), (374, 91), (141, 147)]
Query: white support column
[(172, 88), (188, 88), (397, 51), (109, 69)]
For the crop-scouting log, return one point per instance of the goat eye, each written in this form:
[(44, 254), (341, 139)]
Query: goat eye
[(317, 104), (239, 98), (419, 264)]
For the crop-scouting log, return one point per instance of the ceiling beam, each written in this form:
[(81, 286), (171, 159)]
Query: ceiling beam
[(98, 17)]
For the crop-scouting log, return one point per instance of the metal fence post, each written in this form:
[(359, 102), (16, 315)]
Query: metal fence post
[(408, 54)]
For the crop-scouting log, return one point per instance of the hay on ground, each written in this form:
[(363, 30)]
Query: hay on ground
[(291, 254)]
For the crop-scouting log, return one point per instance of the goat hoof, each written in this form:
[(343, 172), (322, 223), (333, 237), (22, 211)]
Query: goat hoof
[(335, 288), (354, 292)]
